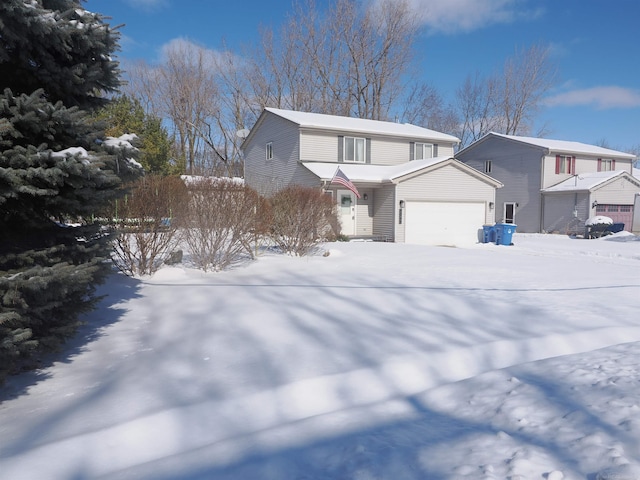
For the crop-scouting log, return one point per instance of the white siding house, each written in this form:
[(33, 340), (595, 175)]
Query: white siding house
[(411, 188)]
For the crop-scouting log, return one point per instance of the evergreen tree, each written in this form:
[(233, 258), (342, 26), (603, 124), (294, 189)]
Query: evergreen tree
[(56, 64), (125, 115)]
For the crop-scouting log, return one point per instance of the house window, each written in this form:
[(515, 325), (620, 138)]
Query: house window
[(601, 209), (565, 164), (625, 208), (269, 151), (487, 166), (354, 149), (606, 164), (423, 150)]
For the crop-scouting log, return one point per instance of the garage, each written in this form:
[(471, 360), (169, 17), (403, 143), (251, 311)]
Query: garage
[(443, 223)]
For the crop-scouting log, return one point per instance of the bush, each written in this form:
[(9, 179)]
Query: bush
[(302, 217), (222, 222), (147, 223)]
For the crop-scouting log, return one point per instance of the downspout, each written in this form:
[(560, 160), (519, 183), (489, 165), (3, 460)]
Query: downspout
[(542, 198)]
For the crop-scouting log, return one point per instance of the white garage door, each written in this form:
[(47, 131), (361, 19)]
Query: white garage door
[(442, 223)]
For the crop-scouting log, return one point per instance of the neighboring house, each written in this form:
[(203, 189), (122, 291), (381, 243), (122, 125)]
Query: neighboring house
[(411, 188), (554, 185)]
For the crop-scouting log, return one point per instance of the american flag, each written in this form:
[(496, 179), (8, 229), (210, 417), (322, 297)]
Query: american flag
[(342, 179)]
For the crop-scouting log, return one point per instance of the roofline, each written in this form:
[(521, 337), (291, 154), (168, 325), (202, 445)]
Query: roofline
[(597, 186), (549, 150), (445, 137)]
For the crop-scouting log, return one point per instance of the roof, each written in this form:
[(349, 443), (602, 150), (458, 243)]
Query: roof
[(361, 125), (562, 146), (360, 173), (588, 181)]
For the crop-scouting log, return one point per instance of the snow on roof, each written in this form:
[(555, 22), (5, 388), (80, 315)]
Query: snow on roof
[(584, 181), (361, 125), (370, 173), (195, 179), (563, 146)]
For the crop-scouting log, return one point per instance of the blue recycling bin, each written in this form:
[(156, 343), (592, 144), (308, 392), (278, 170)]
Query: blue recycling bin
[(488, 234), (504, 233)]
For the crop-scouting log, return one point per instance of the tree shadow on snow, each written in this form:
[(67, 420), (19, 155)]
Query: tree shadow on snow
[(116, 289)]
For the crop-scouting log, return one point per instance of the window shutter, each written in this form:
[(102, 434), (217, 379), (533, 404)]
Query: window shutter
[(573, 166), (557, 164), (599, 164), (435, 150), (340, 148), (368, 150), (613, 164), (412, 151)]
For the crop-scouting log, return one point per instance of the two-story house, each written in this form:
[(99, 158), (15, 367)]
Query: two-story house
[(555, 185), (411, 188)]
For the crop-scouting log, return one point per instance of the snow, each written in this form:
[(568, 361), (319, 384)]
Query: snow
[(122, 142), (372, 173), (586, 181), (564, 146), (599, 220), (378, 361), (361, 125)]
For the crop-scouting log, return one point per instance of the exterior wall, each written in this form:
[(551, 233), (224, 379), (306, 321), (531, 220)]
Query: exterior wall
[(364, 212), (565, 213), (446, 184), (322, 146), (269, 176), (517, 166), (618, 192), (384, 210), (318, 146), (584, 164)]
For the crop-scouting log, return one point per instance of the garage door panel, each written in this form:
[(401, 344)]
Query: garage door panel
[(443, 223)]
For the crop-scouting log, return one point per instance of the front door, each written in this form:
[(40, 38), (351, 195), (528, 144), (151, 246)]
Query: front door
[(509, 212), (347, 206)]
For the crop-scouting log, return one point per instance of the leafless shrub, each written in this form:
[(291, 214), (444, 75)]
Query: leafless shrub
[(222, 222), (301, 218), (147, 223)]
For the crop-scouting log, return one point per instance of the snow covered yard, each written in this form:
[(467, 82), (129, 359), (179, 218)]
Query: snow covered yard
[(379, 361)]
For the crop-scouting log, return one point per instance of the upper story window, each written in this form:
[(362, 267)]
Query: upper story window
[(269, 151), (565, 164), (423, 150), (487, 166), (355, 149), (606, 164)]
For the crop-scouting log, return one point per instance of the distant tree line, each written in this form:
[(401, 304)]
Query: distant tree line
[(343, 57)]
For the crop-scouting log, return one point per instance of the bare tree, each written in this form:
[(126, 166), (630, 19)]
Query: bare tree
[(477, 108), (425, 106), (527, 78), (507, 102), (342, 60), (184, 90)]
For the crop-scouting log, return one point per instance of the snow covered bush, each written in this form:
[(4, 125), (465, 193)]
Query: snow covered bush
[(223, 223), (301, 218), (147, 223)]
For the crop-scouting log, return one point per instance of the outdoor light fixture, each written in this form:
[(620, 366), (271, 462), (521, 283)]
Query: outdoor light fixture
[(401, 203), (365, 197), (594, 204), (491, 205)]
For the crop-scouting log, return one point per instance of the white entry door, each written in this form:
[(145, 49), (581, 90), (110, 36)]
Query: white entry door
[(347, 207)]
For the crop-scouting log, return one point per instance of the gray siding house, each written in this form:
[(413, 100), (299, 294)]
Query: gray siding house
[(411, 188), (553, 185)]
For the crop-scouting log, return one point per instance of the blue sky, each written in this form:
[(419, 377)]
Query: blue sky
[(595, 44)]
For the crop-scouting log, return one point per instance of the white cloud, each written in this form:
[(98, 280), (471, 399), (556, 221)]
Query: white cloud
[(600, 97), (454, 16)]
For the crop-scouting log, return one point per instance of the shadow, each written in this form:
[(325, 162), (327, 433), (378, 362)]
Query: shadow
[(305, 378), (116, 290)]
